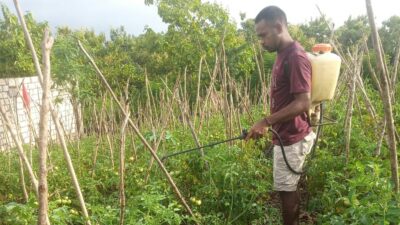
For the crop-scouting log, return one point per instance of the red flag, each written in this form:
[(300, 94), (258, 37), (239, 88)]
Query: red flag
[(25, 97)]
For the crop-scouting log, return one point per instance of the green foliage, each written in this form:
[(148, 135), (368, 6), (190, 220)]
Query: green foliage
[(390, 33), (317, 29), (201, 30), (299, 35), (18, 214), (232, 189), (233, 186), (359, 192), (353, 31), (356, 193), (70, 69), (15, 56), (117, 59)]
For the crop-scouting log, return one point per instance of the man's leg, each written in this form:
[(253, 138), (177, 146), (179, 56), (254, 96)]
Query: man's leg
[(290, 207), (285, 182)]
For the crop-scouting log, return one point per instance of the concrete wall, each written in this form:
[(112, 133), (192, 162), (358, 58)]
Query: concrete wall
[(11, 100)]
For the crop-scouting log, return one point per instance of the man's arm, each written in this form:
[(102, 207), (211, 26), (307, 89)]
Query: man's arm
[(300, 104)]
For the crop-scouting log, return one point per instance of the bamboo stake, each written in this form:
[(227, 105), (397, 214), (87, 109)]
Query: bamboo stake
[(144, 141), (20, 149), (110, 146), (184, 93), (225, 89), (122, 169), (165, 121), (43, 130), (263, 91), (98, 140), (20, 160), (210, 88), (380, 140), (23, 184), (350, 103), (22, 179), (373, 74), (198, 91), (386, 99), (153, 104), (395, 67), (148, 103)]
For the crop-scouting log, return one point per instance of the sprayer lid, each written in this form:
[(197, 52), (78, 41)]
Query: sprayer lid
[(322, 48)]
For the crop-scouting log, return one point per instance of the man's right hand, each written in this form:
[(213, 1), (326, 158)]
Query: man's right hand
[(258, 130)]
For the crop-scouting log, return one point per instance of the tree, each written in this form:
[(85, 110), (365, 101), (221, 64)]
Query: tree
[(15, 57), (353, 31), (317, 29), (70, 69), (390, 33), (201, 30), (117, 60)]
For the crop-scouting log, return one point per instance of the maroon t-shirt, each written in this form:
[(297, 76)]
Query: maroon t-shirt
[(295, 79)]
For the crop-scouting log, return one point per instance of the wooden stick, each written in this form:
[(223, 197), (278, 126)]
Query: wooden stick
[(262, 82), (385, 98), (198, 91), (164, 121), (395, 67), (110, 146), (20, 149), (122, 169), (381, 135), (44, 130), (98, 140), (350, 103), (210, 88), (22, 179)]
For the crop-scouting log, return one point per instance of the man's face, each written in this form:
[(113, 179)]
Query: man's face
[(268, 34)]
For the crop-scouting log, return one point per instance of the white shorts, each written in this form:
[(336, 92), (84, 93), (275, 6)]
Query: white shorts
[(284, 179)]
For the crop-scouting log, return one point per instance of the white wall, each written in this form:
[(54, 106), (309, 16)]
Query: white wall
[(11, 100)]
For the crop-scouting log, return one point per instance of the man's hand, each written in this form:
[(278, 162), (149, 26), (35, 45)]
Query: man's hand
[(258, 130)]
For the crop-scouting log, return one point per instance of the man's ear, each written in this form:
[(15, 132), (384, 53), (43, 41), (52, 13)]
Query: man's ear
[(279, 27)]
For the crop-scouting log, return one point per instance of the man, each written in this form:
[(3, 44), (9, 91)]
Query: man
[(290, 101)]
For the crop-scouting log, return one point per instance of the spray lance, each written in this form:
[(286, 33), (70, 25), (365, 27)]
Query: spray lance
[(242, 136)]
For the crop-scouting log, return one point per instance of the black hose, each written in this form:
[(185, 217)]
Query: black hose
[(283, 152), (319, 129)]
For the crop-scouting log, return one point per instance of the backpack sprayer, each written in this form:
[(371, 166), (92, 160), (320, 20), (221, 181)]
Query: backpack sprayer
[(325, 73)]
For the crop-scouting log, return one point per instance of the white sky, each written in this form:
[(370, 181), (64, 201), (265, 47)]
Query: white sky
[(134, 15)]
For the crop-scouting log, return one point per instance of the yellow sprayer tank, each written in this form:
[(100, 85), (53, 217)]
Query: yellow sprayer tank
[(325, 72)]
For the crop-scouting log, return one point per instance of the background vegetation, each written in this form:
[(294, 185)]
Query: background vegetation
[(205, 75)]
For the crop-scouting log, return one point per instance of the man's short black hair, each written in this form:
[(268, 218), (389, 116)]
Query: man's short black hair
[(271, 14)]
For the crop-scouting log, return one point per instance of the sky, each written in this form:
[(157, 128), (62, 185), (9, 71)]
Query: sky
[(134, 15)]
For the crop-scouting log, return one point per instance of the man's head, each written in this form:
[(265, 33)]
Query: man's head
[(271, 27)]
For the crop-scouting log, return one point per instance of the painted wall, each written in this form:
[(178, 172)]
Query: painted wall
[(11, 98)]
